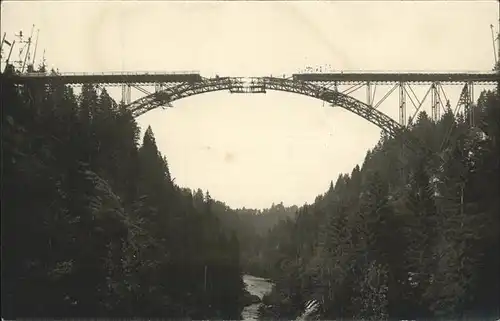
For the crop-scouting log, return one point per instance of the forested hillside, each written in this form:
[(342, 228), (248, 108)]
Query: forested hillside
[(94, 226), (92, 223), (406, 236), (252, 226)]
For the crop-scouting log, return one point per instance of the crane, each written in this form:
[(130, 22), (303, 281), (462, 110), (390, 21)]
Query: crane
[(494, 42), (11, 45), (496, 53)]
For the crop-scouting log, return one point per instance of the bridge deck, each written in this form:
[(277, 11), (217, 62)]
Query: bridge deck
[(178, 77), (458, 77), (109, 78)]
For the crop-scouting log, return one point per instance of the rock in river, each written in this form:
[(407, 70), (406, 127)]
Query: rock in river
[(249, 299)]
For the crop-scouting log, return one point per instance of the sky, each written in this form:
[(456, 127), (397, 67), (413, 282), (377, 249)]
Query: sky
[(252, 150)]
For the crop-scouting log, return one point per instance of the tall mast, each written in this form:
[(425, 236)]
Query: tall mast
[(28, 51), (36, 46), (497, 65), (493, 41)]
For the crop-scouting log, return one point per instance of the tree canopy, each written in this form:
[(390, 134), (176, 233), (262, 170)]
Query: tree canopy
[(419, 241), (92, 223)]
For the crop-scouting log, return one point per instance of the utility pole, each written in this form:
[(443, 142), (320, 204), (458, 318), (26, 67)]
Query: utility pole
[(205, 280)]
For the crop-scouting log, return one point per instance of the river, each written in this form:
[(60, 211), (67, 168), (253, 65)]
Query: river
[(259, 287)]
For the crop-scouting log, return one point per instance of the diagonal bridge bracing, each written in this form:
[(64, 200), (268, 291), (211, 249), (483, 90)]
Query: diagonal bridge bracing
[(373, 82), (406, 82), (329, 87), (260, 85)]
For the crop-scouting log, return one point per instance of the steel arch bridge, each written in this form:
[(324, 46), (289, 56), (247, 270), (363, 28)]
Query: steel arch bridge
[(260, 85), (172, 86)]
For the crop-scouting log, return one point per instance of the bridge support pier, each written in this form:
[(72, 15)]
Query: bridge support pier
[(369, 94), (402, 104), (467, 100), (472, 116), (435, 114), (126, 94), (402, 122), (159, 87)]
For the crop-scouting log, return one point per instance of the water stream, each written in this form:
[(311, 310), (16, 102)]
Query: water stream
[(259, 287)]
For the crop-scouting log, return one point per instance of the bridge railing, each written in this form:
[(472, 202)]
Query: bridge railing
[(110, 73), (187, 72), (366, 71), (401, 73)]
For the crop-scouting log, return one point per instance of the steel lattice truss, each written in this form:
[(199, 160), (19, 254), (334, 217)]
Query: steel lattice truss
[(334, 88), (435, 92), (256, 85), (177, 91)]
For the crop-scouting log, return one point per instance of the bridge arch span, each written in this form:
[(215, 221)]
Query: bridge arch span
[(261, 84)]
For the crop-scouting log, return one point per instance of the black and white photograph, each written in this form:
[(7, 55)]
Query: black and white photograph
[(250, 160)]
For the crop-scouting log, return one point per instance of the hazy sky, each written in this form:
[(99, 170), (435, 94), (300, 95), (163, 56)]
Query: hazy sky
[(252, 150)]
